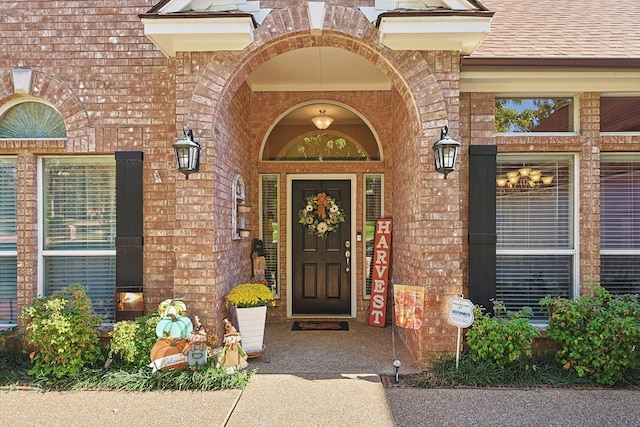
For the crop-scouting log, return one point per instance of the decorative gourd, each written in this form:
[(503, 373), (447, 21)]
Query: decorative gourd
[(172, 306), (168, 353), (174, 327)]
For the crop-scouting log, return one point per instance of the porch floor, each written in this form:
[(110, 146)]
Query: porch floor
[(361, 349)]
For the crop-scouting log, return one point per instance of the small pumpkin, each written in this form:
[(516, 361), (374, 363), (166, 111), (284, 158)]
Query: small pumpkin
[(172, 306), (168, 353), (174, 327)]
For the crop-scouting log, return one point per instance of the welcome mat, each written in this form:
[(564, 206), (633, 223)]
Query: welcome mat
[(319, 325)]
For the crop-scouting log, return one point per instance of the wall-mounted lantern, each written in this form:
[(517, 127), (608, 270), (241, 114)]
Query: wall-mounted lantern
[(187, 154), (446, 152)]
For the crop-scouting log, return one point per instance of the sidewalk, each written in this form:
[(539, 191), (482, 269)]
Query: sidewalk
[(291, 400)]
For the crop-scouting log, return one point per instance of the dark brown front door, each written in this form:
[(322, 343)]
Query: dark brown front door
[(321, 274)]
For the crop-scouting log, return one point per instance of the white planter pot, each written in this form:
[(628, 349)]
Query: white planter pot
[(251, 327)]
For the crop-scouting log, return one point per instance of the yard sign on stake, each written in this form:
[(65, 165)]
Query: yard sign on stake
[(460, 315), (380, 277)]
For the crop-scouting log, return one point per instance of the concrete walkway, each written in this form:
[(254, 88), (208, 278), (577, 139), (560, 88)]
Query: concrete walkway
[(292, 400), (319, 384)]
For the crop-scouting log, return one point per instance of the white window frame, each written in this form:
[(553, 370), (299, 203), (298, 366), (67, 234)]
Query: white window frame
[(366, 295), (5, 323), (42, 253), (617, 95), (261, 226), (575, 252), (618, 252), (576, 113)]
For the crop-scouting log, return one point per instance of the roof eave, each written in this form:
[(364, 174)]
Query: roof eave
[(199, 31), (549, 75), (437, 29), (487, 63)]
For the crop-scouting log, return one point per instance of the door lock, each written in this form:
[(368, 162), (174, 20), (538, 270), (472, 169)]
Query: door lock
[(347, 254)]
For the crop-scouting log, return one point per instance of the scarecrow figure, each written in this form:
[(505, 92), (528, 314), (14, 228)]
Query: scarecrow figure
[(259, 269), (198, 334), (233, 357), (197, 350)]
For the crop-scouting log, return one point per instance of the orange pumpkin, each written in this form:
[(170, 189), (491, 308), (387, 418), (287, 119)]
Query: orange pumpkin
[(167, 353)]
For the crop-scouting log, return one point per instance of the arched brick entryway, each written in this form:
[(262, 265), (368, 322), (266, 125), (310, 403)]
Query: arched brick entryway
[(221, 110)]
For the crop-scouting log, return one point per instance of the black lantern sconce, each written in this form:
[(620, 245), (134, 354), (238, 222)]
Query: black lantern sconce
[(187, 154), (446, 152)]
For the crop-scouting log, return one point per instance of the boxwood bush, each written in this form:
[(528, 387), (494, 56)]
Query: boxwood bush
[(63, 330), (503, 338), (597, 333)]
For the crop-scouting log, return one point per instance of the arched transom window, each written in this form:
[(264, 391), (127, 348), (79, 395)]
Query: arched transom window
[(296, 138), (32, 120)]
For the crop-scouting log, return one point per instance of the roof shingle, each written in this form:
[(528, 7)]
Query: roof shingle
[(566, 28)]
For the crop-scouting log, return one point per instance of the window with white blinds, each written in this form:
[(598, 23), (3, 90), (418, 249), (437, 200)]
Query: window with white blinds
[(8, 238), (269, 227), (620, 223), (373, 209), (78, 228), (536, 242)]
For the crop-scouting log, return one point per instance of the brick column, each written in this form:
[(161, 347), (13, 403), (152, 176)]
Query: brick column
[(589, 104), (27, 229)]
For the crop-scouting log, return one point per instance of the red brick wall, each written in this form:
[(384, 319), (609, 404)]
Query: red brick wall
[(116, 91)]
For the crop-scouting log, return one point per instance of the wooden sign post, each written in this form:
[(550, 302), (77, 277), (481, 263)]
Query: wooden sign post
[(380, 277)]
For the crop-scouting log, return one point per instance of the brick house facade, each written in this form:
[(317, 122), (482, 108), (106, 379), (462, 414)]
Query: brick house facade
[(116, 91)]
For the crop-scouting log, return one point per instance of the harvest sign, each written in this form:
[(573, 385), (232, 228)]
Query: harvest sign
[(380, 277)]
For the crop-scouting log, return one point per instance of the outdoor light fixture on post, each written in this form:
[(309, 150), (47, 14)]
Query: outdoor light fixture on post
[(396, 365), (446, 152), (187, 154)]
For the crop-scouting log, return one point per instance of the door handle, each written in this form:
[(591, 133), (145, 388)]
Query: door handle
[(347, 255)]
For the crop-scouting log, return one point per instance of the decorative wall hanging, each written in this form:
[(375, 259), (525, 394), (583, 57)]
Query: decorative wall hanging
[(239, 210), (321, 214)]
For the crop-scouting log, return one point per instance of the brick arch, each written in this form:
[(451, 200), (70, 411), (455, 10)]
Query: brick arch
[(416, 78), (56, 93), (288, 29)]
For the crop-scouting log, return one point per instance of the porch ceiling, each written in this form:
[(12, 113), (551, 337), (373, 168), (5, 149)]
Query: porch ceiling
[(318, 69)]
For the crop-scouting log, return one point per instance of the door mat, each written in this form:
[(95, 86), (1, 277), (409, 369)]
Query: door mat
[(319, 325)]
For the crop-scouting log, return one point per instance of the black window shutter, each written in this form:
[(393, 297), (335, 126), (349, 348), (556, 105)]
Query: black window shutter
[(482, 224), (129, 233)]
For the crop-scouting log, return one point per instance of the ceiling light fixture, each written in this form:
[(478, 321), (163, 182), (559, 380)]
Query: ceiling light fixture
[(322, 121), (523, 179)]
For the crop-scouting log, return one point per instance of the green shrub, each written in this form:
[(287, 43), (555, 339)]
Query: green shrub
[(206, 378), (14, 359), (526, 372), (132, 340), (503, 338), (597, 333), (63, 330)]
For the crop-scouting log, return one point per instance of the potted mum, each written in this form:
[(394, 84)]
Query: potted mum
[(250, 301)]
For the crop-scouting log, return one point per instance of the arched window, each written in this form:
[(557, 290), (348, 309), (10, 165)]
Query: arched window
[(32, 120), (296, 138)]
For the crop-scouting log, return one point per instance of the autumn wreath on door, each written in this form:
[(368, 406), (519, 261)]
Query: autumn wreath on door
[(321, 214)]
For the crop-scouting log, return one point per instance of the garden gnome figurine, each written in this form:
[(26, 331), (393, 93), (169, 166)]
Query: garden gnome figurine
[(233, 357)]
